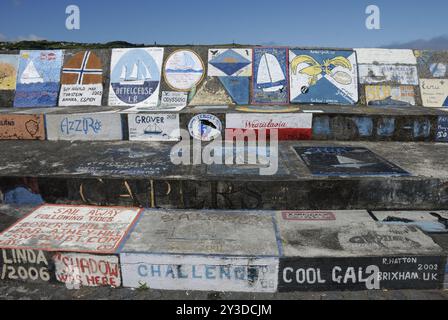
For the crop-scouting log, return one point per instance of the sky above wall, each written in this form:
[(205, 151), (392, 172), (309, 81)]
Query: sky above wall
[(289, 22)]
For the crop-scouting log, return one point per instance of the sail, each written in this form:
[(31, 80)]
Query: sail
[(134, 73), (263, 71), (30, 74), (123, 73), (145, 72), (345, 160), (275, 70)]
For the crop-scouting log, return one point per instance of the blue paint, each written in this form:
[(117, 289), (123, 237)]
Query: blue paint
[(84, 125), (422, 129), (261, 93), (229, 62), (39, 86), (237, 88), (22, 196), (365, 126), (442, 129), (324, 87), (386, 127), (321, 126)]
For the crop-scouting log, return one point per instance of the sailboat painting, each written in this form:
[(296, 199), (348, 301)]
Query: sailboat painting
[(135, 77), (183, 70), (270, 81), (323, 76), (153, 127), (38, 78)]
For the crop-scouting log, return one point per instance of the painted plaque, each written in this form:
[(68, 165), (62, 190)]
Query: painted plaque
[(442, 129), (81, 80), (270, 76), (323, 76), (22, 126), (397, 74), (88, 270), (432, 64), (346, 161), (230, 62), (173, 99), (135, 77), (8, 71), (71, 228), (25, 265), (89, 126), (38, 78), (361, 273), (434, 92), (290, 126), (205, 273), (385, 56), (385, 95), (153, 127), (205, 127), (183, 70)]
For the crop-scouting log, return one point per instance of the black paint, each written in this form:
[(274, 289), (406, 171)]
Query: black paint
[(340, 161), (361, 273)]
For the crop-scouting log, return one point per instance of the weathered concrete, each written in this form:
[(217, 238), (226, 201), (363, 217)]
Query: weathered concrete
[(141, 174)]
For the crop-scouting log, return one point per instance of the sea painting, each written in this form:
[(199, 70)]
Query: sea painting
[(135, 77), (38, 78), (183, 70), (270, 76)]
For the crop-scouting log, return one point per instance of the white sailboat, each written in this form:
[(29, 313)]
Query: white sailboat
[(31, 75), (270, 74), (346, 162), (139, 74), (186, 63)]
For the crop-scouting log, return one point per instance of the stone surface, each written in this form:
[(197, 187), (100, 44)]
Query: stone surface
[(229, 233), (348, 234)]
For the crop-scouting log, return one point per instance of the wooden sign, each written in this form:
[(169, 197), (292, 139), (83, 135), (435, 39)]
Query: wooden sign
[(22, 127)]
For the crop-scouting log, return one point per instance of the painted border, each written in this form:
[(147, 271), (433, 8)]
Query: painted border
[(196, 84), (251, 87), (114, 250)]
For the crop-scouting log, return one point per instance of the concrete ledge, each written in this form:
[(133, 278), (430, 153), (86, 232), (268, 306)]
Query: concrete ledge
[(141, 174), (329, 122), (246, 251)]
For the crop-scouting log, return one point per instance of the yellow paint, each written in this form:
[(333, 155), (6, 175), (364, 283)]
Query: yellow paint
[(8, 76)]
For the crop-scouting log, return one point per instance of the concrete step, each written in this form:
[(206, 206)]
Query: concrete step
[(326, 122), (232, 251), (310, 175)]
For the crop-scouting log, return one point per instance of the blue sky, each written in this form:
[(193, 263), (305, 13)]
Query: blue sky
[(288, 22)]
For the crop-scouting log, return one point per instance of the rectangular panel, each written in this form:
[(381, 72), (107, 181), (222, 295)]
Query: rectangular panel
[(22, 127), (153, 127), (89, 126)]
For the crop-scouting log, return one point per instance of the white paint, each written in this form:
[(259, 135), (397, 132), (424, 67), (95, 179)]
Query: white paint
[(153, 127), (87, 270), (385, 56), (24, 265), (71, 228), (88, 126), (81, 95), (183, 70), (205, 273), (268, 121), (173, 98), (73, 21), (372, 74), (434, 92)]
